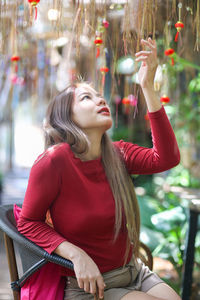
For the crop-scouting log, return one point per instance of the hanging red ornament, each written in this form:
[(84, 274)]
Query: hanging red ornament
[(179, 25), (146, 117), (98, 41), (33, 3), (126, 101), (164, 99), (169, 52), (15, 59), (103, 70), (105, 23)]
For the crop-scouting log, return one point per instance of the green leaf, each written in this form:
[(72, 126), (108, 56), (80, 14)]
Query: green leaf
[(169, 219), (150, 237)]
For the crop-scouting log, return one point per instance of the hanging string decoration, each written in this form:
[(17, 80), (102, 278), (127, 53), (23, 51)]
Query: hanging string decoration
[(170, 52), (179, 25), (15, 59), (98, 41), (103, 70), (33, 3)]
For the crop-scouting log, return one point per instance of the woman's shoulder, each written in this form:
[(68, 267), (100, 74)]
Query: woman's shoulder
[(119, 144), (54, 154)]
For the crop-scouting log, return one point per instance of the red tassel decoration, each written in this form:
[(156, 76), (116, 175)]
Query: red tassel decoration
[(179, 25), (34, 3), (169, 52), (98, 42), (104, 70), (15, 59)]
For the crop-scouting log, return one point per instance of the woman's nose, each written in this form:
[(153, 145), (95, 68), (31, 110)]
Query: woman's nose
[(101, 101)]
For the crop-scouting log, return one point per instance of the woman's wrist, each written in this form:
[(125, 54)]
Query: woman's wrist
[(152, 100), (68, 250)]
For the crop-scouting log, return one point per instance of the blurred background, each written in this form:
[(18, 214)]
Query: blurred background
[(45, 45)]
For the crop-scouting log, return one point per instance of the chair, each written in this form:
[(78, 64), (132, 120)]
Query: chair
[(32, 256)]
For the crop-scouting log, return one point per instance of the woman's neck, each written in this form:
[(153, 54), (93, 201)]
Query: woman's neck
[(94, 150)]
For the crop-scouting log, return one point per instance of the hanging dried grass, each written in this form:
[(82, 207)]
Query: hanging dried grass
[(79, 28), (126, 29), (144, 19), (154, 12), (197, 27), (72, 35), (173, 10)]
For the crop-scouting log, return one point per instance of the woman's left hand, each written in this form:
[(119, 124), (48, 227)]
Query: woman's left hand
[(149, 64)]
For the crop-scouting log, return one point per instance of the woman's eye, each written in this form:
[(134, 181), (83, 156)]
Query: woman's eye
[(86, 97)]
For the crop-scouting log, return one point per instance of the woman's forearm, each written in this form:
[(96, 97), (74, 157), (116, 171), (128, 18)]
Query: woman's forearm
[(68, 250), (152, 100)]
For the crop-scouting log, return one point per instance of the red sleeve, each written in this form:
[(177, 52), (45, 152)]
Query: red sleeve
[(42, 190), (165, 152)]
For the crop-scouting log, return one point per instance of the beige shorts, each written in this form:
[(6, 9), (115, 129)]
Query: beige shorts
[(119, 282)]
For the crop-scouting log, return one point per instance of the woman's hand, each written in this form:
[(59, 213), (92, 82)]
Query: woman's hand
[(88, 275), (149, 64)]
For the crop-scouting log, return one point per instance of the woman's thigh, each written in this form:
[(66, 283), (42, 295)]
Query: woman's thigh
[(136, 295), (164, 291), (160, 291)]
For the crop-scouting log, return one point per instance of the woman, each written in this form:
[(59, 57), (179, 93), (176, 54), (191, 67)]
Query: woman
[(83, 179)]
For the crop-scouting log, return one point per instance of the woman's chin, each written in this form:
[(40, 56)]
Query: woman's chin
[(108, 124)]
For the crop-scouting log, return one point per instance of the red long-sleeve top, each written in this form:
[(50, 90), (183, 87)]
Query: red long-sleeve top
[(80, 199)]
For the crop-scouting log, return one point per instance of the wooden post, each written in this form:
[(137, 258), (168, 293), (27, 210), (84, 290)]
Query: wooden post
[(12, 265)]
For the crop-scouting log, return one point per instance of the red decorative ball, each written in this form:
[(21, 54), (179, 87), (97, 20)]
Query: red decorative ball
[(33, 2), (15, 58), (165, 99), (104, 69), (126, 101), (169, 51), (98, 41), (179, 25)]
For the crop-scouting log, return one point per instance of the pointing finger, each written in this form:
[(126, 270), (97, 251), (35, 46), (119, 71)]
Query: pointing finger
[(148, 44), (151, 41)]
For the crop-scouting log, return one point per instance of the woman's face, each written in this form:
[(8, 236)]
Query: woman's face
[(90, 110)]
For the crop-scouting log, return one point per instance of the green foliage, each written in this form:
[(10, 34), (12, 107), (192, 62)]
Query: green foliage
[(180, 176), (121, 133), (188, 117), (194, 85)]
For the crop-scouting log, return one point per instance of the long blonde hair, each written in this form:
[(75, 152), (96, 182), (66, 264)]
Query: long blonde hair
[(59, 128)]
